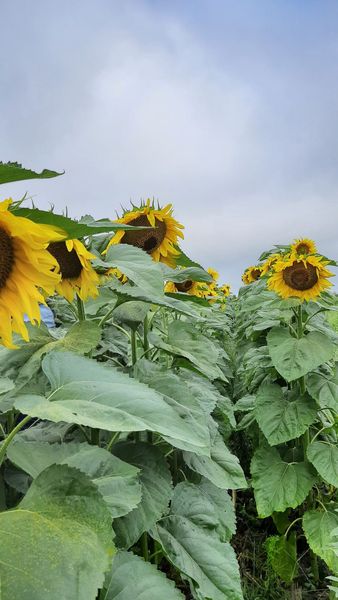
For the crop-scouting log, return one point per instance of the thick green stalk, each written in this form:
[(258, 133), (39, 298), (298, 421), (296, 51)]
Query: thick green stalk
[(9, 438), (133, 347), (81, 315), (145, 334)]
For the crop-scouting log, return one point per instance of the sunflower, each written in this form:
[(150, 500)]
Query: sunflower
[(159, 240), (252, 274), (301, 277), (114, 272), (26, 270), (269, 262), (214, 274), (193, 288), (77, 274), (225, 289), (303, 246)]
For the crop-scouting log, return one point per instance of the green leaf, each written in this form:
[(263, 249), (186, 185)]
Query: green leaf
[(222, 468), (196, 550), (74, 229), (13, 171), (283, 416), (6, 385), (116, 480), (156, 491), (206, 506), (82, 337), (184, 261), (88, 393), (324, 457), (137, 265), (282, 554), (131, 313), (187, 341), (318, 527), (57, 542), (189, 274), (132, 578), (294, 357), (324, 389), (278, 484)]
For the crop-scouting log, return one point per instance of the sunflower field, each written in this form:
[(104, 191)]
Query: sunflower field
[(162, 438)]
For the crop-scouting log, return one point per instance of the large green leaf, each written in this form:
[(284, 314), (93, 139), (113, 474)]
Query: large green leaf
[(137, 265), (131, 578), (324, 457), (206, 506), (277, 484), (187, 341), (282, 554), (73, 229), (156, 491), (318, 527), (283, 416), (189, 274), (57, 542), (82, 337), (293, 357), (198, 554), (116, 480), (131, 313), (324, 389), (13, 171), (222, 468), (88, 393)]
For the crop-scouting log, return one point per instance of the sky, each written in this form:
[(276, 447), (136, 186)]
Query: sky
[(228, 110)]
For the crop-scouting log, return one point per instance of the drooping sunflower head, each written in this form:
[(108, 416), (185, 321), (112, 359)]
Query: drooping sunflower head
[(214, 274), (303, 247), (74, 265), (267, 265), (193, 288), (225, 289), (252, 274), (27, 271), (161, 237), (301, 277)]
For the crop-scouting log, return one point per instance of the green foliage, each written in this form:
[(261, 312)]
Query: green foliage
[(282, 553), (13, 171), (318, 527)]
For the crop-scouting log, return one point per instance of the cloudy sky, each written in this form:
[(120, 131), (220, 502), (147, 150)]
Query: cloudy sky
[(229, 110)]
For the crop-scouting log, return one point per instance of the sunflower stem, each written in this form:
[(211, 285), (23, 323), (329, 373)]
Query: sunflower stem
[(145, 334), (12, 434), (81, 315), (133, 347)]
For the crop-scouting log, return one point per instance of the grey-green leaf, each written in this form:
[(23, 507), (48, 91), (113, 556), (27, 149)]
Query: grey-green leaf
[(277, 484), (57, 542), (156, 491), (131, 578), (82, 337), (293, 357), (282, 554), (116, 480), (283, 416), (324, 457), (88, 393), (318, 527)]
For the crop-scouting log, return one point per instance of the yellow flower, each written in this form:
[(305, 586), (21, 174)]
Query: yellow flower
[(214, 274), (301, 277), (268, 263), (194, 288), (160, 240), (251, 274), (114, 272), (225, 289), (26, 270), (303, 246), (77, 274)]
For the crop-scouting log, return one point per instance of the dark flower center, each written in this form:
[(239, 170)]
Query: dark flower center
[(6, 257), (255, 274), (69, 262), (147, 239), (185, 286), (303, 249), (300, 277)]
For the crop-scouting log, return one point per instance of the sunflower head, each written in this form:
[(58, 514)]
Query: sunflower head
[(303, 247), (193, 288), (159, 239), (27, 272), (225, 289), (301, 277), (74, 265), (214, 274), (267, 265), (252, 274)]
